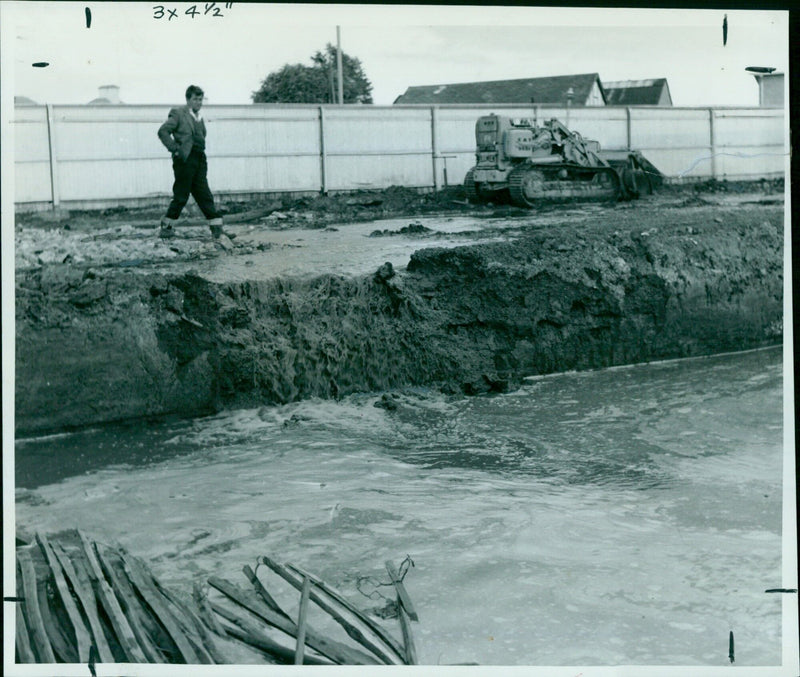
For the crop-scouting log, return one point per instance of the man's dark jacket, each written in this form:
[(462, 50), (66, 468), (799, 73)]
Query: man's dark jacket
[(178, 131)]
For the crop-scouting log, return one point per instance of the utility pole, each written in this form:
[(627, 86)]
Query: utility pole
[(339, 65)]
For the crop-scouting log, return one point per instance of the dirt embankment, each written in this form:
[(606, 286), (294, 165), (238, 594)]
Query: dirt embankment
[(628, 286)]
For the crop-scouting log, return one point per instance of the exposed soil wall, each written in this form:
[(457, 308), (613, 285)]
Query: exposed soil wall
[(116, 343)]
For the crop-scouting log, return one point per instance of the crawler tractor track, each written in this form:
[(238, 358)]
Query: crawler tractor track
[(471, 187), (529, 186)]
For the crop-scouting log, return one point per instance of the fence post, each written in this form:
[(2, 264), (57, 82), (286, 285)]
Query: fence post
[(435, 145), (628, 125), (713, 142), (323, 157), (51, 146)]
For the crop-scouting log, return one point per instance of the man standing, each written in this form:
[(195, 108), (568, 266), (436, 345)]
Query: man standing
[(184, 135)]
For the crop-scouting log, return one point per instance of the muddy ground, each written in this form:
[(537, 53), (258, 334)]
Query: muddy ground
[(315, 298)]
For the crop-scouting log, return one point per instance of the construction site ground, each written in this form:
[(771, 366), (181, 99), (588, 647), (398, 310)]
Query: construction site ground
[(335, 233)]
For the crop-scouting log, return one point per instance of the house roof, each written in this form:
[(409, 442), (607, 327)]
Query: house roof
[(104, 101), (636, 92), (550, 90)]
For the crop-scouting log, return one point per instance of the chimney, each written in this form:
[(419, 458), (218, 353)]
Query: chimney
[(770, 90), (110, 92)]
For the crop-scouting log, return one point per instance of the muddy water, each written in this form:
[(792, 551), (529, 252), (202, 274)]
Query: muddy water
[(623, 516)]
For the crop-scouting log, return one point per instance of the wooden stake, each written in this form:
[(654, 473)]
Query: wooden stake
[(369, 622), (195, 631), (301, 622), (80, 583), (82, 638), (405, 627), (252, 635), (349, 628), (154, 600), (23, 641), (127, 601), (336, 651), (62, 641), (262, 591), (122, 629), (402, 595), (205, 610)]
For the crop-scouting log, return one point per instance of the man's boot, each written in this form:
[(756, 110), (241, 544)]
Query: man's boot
[(216, 227), (167, 227)]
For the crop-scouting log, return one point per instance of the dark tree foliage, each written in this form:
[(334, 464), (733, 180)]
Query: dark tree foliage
[(316, 83)]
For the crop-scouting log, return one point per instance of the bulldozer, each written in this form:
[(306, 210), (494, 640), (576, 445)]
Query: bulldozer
[(528, 164)]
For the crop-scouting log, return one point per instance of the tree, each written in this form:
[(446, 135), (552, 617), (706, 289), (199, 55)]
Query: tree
[(316, 83)]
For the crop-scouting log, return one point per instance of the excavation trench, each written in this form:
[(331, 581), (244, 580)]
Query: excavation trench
[(108, 343)]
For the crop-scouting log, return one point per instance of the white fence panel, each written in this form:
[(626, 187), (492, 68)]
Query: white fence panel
[(262, 174), (275, 132), (456, 129), (31, 155), (691, 163), (378, 171), (364, 130), (748, 127), (114, 179), (749, 143), (32, 182), (669, 128), (30, 134), (737, 162), (368, 148), (86, 133), (455, 137), (263, 148)]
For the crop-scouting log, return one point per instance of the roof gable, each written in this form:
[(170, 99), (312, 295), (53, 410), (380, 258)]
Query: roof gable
[(638, 93), (550, 90)]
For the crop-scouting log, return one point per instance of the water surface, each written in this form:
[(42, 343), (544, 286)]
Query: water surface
[(622, 516)]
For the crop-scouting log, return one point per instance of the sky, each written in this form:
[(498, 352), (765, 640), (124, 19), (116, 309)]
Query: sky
[(232, 48)]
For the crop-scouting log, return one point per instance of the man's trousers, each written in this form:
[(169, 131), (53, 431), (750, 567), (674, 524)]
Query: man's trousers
[(190, 179)]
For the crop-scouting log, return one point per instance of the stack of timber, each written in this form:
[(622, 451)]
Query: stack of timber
[(80, 601), (254, 616), (84, 602)]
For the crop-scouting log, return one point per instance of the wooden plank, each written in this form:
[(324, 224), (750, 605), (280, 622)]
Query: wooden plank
[(23, 638), (349, 628), (262, 591), (127, 601), (251, 634), (302, 617), (82, 638), (408, 640), (154, 600), (63, 644), (195, 630), (254, 605), (336, 651), (122, 629), (23, 641), (341, 599), (401, 591), (201, 600), (83, 589)]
